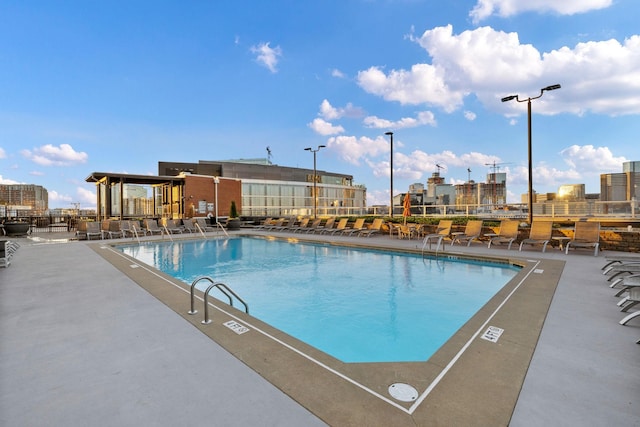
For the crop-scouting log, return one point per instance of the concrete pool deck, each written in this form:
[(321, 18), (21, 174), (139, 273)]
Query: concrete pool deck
[(82, 343)]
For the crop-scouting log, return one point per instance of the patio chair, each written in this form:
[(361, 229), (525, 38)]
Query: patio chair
[(304, 222), (266, 223), (587, 235), (113, 230), (442, 230), (540, 234), (201, 223), (287, 225), (171, 227), (373, 229), (94, 229), (632, 299), (328, 225), (7, 249), (508, 233), (151, 225), (342, 225), (188, 226), (357, 227), (471, 232), (311, 228), (405, 231)]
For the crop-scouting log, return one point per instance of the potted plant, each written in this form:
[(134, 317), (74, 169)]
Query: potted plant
[(233, 222)]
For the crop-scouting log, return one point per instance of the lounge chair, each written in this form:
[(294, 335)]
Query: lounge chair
[(357, 227), (508, 233), (94, 229), (315, 224), (201, 224), (373, 229), (287, 225), (152, 228), (274, 225), (471, 232), (171, 227), (619, 259), (632, 299), (7, 249), (304, 222), (266, 223), (328, 225), (540, 234), (114, 230), (587, 235), (188, 226), (442, 230), (342, 225)]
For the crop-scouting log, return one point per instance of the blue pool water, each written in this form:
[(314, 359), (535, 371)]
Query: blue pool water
[(354, 304)]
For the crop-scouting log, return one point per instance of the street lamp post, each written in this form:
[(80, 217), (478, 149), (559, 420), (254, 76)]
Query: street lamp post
[(315, 179), (530, 166), (390, 134)]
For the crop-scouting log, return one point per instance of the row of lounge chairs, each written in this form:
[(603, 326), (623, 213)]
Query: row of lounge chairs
[(114, 229), (7, 249), (587, 235), (624, 274), (331, 226)]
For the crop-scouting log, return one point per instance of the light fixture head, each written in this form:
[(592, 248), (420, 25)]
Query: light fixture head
[(308, 149), (552, 87), (509, 98), (388, 133), (321, 146)]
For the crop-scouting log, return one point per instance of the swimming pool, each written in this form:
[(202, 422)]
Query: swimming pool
[(356, 305)]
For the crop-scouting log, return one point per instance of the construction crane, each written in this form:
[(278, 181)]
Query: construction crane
[(439, 167)]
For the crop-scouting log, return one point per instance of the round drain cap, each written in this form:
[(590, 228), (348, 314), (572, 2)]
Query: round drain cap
[(403, 392)]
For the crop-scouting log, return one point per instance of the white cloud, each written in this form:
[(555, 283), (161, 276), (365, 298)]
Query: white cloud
[(424, 83), (597, 76), (470, 115), (86, 197), (50, 155), (325, 128), (354, 150), (7, 181), (338, 74), (267, 56), (329, 112), (3, 154), (36, 173), (592, 159), (58, 199), (505, 8), (422, 118)]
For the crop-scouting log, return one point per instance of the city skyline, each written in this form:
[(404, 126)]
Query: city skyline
[(91, 87)]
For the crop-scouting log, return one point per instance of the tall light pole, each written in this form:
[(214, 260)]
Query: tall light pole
[(315, 179), (528, 101), (390, 134)]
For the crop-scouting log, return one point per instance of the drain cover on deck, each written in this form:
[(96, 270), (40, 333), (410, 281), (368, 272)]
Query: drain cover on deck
[(403, 392)]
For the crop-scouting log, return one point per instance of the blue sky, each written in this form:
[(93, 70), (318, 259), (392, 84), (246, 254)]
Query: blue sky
[(118, 86)]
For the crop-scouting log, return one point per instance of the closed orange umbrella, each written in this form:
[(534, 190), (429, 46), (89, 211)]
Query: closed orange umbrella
[(406, 211)]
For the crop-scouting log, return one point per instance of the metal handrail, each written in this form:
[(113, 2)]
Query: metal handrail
[(222, 287)]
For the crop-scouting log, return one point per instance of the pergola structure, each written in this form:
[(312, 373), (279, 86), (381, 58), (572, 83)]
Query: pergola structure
[(171, 188)]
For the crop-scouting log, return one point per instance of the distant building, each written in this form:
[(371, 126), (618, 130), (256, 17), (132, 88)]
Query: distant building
[(491, 192), (24, 197), (571, 193), (621, 186)]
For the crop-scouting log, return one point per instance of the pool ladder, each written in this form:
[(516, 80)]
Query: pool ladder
[(220, 286)]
